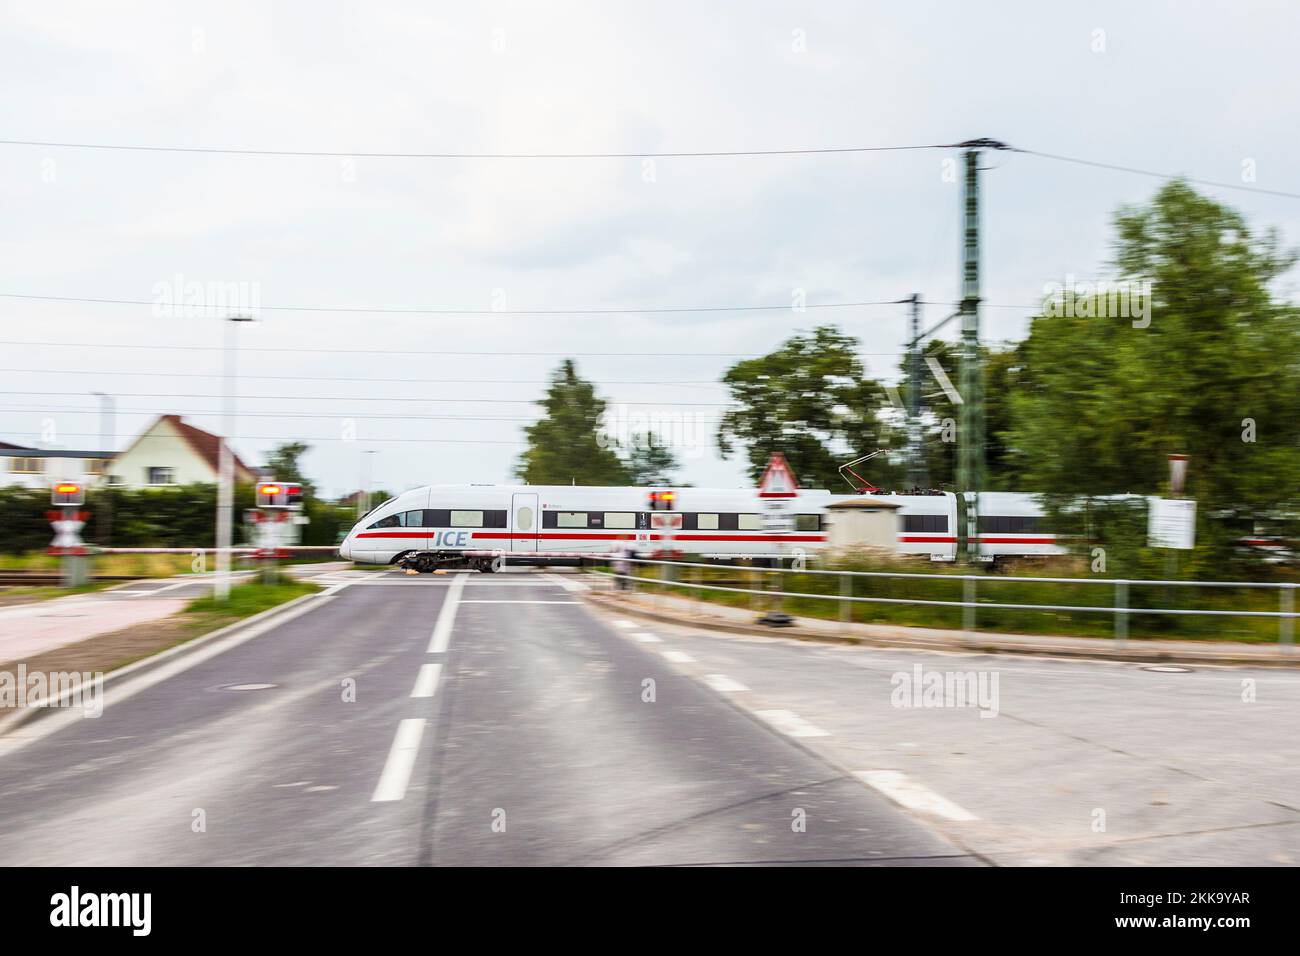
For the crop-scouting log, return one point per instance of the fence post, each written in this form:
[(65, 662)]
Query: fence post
[(1121, 614), (968, 612), (1286, 623), (846, 606)]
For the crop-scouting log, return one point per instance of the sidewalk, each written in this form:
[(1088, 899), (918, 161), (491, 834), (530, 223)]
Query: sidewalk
[(27, 630), (702, 614)]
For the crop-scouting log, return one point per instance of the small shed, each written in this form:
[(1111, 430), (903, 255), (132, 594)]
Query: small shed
[(862, 522)]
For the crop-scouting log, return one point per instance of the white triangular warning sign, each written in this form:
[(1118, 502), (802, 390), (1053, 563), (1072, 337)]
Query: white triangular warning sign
[(778, 480)]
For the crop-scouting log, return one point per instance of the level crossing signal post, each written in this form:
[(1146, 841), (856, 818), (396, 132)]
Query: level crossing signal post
[(278, 504), (67, 518)]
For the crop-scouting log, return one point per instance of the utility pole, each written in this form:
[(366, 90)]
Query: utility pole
[(226, 458), (107, 443), (916, 471), (970, 438)]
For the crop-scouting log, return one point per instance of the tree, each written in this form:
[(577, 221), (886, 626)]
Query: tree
[(1209, 371), (649, 462), (811, 400), (284, 463), (566, 445)]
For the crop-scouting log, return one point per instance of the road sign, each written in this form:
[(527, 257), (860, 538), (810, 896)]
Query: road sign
[(778, 518), (1171, 523), (778, 480)]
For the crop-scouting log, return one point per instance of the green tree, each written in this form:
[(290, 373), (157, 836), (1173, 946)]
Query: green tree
[(649, 462), (1213, 374), (811, 400), (566, 445)]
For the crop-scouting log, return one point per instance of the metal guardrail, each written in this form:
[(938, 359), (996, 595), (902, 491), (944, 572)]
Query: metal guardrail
[(1285, 615)]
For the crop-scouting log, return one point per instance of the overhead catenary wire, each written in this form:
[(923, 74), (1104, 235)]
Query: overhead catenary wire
[(354, 398), (652, 154)]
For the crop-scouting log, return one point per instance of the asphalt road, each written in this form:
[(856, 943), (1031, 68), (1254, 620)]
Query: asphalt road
[(440, 720)]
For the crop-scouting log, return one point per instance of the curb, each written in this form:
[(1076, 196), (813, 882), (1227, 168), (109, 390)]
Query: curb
[(146, 664), (977, 642)]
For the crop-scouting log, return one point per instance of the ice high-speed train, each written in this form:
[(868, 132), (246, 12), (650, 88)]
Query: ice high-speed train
[(435, 526)]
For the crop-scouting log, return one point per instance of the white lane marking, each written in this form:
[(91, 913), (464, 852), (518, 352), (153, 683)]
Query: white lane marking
[(446, 617), (791, 724), (902, 789), (645, 637), (401, 761), (485, 601), (567, 584), (426, 682), (679, 657), (625, 625), (724, 684)]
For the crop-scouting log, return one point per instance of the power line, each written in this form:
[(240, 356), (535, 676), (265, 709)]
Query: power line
[(387, 310), (493, 353), (309, 438), (334, 416), (1156, 174), (338, 378), (354, 398), (682, 154)]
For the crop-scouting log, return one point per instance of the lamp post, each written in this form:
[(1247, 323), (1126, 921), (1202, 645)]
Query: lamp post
[(226, 458), (367, 467), (107, 443)]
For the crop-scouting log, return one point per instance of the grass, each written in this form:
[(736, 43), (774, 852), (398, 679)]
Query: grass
[(939, 585)]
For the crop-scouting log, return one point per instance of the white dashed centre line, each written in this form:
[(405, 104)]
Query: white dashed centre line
[(645, 637), (679, 657), (401, 761), (724, 684), (426, 682), (446, 617), (903, 790), (791, 724), (625, 625)]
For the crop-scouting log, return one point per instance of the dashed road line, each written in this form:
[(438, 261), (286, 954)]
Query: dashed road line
[(567, 584), (791, 724), (645, 637), (502, 601), (441, 636), (426, 682), (679, 657), (401, 761), (724, 684), (907, 792), (625, 624)]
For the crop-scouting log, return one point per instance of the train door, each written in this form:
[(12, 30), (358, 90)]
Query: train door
[(524, 520)]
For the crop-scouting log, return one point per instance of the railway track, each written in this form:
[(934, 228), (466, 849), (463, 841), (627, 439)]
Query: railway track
[(41, 578)]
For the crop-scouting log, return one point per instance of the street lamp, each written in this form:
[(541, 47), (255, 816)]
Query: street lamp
[(107, 443), (367, 467), (226, 463)]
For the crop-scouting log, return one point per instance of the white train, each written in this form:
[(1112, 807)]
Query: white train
[(464, 525)]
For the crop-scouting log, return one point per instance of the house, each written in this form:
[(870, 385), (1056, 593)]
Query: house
[(173, 452), (42, 467)]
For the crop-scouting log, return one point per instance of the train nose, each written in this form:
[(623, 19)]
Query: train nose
[(345, 549)]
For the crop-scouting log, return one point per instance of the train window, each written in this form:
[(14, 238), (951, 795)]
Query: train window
[(931, 524), (466, 519), (570, 519), (1002, 524), (807, 522), (706, 522), (495, 519), (620, 519), (391, 521), (749, 523), (728, 522), (436, 517), (413, 519)]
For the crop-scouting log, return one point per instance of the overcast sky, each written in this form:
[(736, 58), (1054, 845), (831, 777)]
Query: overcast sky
[(1195, 88)]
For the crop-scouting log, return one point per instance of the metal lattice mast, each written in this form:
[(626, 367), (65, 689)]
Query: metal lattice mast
[(917, 475), (970, 437)]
